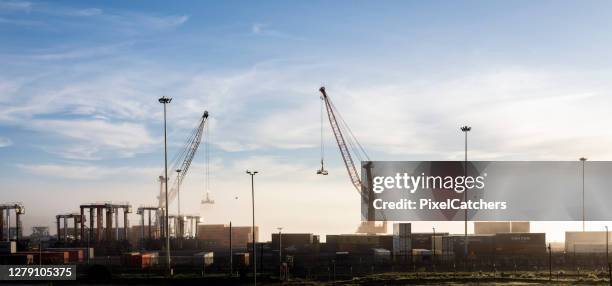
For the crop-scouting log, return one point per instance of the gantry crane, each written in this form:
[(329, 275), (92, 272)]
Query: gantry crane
[(19, 211), (344, 143)]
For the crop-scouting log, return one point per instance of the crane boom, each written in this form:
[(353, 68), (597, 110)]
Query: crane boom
[(368, 226), (344, 151), (184, 158)]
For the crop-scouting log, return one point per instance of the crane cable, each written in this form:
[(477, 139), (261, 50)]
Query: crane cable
[(357, 148), (322, 143), (207, 159)]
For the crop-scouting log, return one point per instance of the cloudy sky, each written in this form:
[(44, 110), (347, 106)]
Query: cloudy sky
[(80, 121)]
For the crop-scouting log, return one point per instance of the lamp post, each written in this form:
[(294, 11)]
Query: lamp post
[(252, 174), (280, 253), (465, 129), (583, 159), (178, 191), (231, 250), (549, 262), (165, 100), (608, 256), (179, 227)]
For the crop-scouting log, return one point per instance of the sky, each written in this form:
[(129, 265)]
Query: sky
[(80, 121)]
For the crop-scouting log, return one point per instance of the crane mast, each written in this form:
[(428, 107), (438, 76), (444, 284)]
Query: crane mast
[(368, 226)]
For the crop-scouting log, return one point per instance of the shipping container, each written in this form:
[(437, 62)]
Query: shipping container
[(240, 260), (520, 243), (17, 259), (206, 257), (586, 241), (293, 239), (495, 227), (478, 246), (50, 257), (381, 255), (402, 243), (139, 260), (84, 253), (402, 229), (8, 247), (424, 240), (149, 259)]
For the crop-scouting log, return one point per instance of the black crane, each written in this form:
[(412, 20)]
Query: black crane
[(346, 144)]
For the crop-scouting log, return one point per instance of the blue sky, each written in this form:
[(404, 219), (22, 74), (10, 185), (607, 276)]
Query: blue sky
[(79, 84)]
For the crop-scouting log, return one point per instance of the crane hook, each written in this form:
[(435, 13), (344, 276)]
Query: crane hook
[(322, 171)]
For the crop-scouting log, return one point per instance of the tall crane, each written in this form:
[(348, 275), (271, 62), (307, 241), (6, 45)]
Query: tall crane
[(345, 139), (182, 161)]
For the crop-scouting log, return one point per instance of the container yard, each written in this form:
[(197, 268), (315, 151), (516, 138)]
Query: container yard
[(305, 143), (99, 238)]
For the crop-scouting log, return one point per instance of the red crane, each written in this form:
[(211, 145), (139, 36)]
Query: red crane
[(345, 144)]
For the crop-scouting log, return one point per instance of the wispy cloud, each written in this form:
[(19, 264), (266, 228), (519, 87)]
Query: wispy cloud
[(124, 138), (132, 22), (12, 6), (166, 22), (89, 12), (85, 172), (24, 23), (4, 142), (81, 53), (266, 30), (66, 17)]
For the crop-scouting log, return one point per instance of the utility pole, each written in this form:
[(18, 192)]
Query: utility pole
[(178, 191), (165, 100), (608, 256), (583, 159), (179, 227), (231, 250), (252, 174), (465, 130), (549, 262), (280, 254)]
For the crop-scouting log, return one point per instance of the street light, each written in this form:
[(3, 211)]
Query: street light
[(165, 100), (583, 159), (608, 256), (178, 191), (465, 129), (231, 250), (252, 174), (180, 223), (280, 253)]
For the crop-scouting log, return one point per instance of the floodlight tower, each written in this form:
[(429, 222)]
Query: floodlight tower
[(465, 129), (252, 174), (583, 160), (165, 100)]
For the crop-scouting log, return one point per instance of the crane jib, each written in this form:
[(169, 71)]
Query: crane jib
[(186, 155), (354, 176)]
